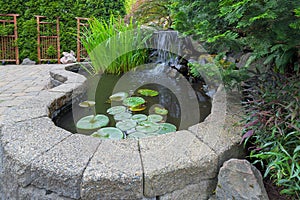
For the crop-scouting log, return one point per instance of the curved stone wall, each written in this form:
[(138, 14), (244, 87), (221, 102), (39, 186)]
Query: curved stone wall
[(42, 161)]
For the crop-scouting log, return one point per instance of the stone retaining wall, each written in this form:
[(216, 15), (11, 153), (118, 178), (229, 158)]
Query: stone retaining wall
[(42, 161)]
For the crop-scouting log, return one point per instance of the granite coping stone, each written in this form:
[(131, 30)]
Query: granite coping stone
[(24, 141), (60, 169), (174, 160), (115, 172)]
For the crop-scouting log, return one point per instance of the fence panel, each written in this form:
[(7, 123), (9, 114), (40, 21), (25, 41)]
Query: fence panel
[(9, 51), (48, 40), (81, 51)]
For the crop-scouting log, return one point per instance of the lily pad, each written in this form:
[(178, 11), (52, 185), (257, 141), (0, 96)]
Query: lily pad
[(122, 116), (160, 111), (166, 128), (147, 127), (86, 104), (137, 135), (109, 133), (126, 125), (120, 96), (133, 101), (155, 118), (139, 117), (92, 122), (138, 108), (116, 110), (148, 92)]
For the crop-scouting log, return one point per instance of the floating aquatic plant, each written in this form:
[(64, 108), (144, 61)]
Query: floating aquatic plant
[(160, 111), (92, 122), (147, 127), (109, 133), (133, 101), (137, 135), (138, 108), (148, 92), (116, 110), (126, 125), (87, 104), (166, 128), (122, 116), (155, 118), (120, 96), (139, 117)]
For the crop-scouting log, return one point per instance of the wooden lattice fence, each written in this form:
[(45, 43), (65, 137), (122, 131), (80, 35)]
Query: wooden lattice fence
[(9, 51), (48, 40), (81, 51)]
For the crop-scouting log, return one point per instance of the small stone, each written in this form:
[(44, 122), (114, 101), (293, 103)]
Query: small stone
[(27, 61), (68, 57), (238, 179)]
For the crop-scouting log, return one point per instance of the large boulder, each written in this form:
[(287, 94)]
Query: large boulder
[(238, 179)]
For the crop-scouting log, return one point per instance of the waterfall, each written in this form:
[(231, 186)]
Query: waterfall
[(168, 45)]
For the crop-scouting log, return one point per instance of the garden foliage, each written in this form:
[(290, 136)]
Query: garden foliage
[(67, 10), (271, 29), (272, 127), (114, 46)]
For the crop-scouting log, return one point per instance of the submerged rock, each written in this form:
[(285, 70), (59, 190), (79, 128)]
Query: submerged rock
[(238, 179)]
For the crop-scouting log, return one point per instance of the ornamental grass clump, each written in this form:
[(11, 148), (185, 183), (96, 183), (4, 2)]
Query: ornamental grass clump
[(114, 46), (272, 130)]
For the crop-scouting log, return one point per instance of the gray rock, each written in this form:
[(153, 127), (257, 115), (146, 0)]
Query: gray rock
[(57, 75), (29, 140), (173, 161), (199, 191), (34, 193), (238, 179), (60, 169), (220, 130), (115, 172), (27, 61)]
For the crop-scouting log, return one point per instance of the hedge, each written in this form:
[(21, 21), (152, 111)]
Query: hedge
[(67, 10)]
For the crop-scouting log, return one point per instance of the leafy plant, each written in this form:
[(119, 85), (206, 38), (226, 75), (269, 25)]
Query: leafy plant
[(51, 51), (272, 128), (114, 46), (153, 12), (268, 28), (218, 70)]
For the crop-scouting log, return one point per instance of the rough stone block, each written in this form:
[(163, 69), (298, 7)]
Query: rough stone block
[(221, 130), (175, 160), (199, 191), (16, 114), (115, 172), (238, 179), (24, 141), (60, 169), (34, 193)]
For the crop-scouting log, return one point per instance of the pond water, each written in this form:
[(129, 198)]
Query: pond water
[(185, 101)]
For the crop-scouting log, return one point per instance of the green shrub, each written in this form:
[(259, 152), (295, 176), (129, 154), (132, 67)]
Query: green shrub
[(218, 70), (269, 28)]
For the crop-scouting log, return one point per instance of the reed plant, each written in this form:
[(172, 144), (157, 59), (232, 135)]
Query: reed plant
[(114, 46)]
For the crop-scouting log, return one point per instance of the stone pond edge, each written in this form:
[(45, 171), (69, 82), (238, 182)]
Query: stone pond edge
[(188, 161)]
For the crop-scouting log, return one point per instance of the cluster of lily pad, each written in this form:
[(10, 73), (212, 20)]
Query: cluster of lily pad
[(128, 125)]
